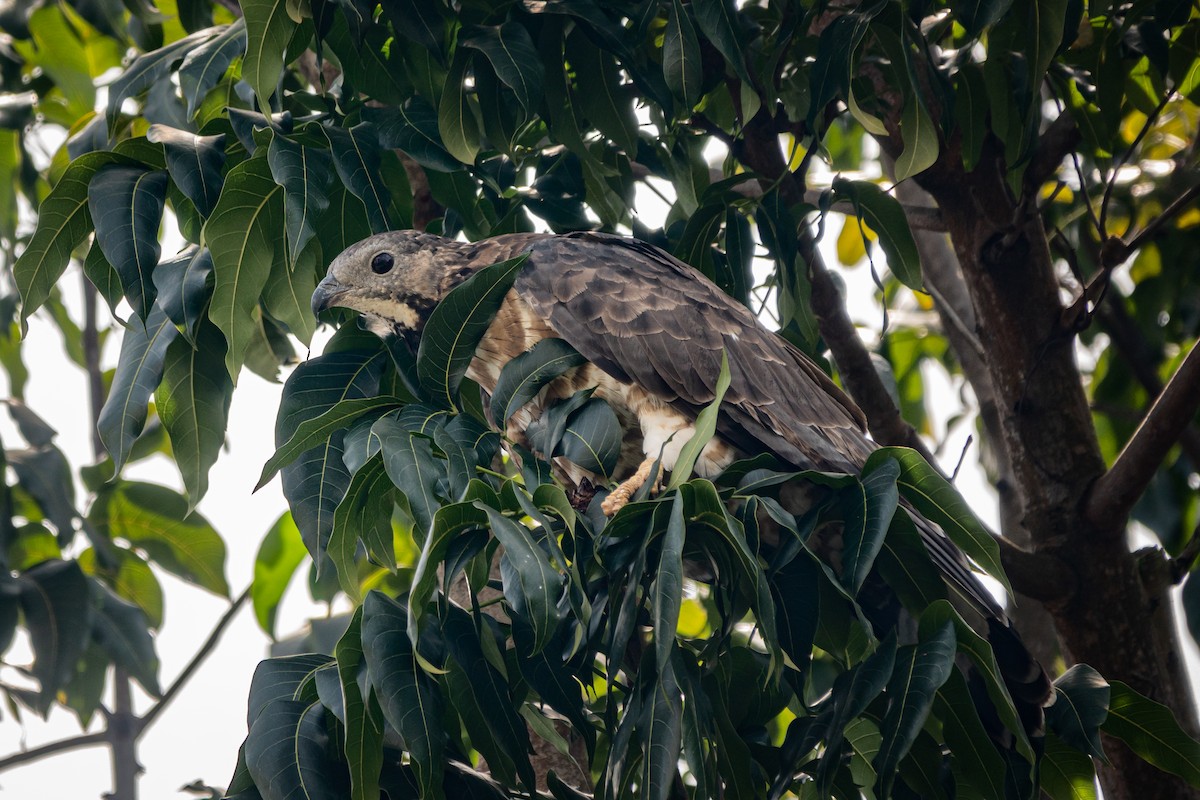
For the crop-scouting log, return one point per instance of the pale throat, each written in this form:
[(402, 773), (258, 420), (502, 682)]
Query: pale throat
[(383, 316)]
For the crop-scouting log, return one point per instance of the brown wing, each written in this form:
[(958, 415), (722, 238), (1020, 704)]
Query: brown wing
[(649, 319)]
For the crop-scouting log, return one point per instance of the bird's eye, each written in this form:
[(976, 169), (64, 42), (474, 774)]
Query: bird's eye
[(382, 263)]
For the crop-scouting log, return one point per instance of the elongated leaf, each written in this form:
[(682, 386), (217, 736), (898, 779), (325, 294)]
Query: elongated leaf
[(1065, 772), (681, 57), (481, 696), (268, 30), (868, 517), (976, 15), (280, 679), (592, 438), (358, 161), (705, 429), (182, 285), (285, 753), (312, 432), (668, 587), (413, 128), (193, 404), (279, 555), (148, 69), (1080, 708), (120, 628), (287, 297), (194, 162), (244, 234), (315, 483), (600, 95), (1151, 731), (940, 502), (920, 140), (410, 700), (45, 474), (55, 599), (717, 20), (885, 216), (139, 370), (830, 75), (408, 458), (456, 117), (978, 768), (534, 596), (449, 523), (105, 278), (920, 671), (365, 514), (203, 68), (661, 731), (305, 174), (158, 520), (126, 205), (364, 738), (63, 223), (456, 326), (510, 50)]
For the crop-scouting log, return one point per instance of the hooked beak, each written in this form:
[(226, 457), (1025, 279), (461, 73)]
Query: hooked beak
[(327, 294)]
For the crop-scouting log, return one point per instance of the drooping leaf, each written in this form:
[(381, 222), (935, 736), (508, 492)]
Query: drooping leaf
[(661, 729), (365, 514), (668, 587), (600, 94), (305, 173), (1066, 773), (510, 50), (279, 555), (456, 326), (868, 516), (417, 21), (148, 69), (194, 162), (451, 521), (268, 30), (280, 679), (120, 629), (126, 204), (45, 474), (885, 216), (717, 20), (183, 291), (977, 767), (358, 161), (705, 429), (157, 520), (592, 438), (364, 737), (681, 57), (920, 140), (139, 370), (287, 297), (285, 752), (1151, 730), (244, 234), (410, 699), (408, 459), (203, 67), (413, 128), (830, 76), (456, 117), (56, 601), (193, 403)]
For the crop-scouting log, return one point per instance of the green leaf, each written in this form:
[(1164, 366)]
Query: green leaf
[(183, 292), (524, 376), (280, 553), (668, 586), (148, 69), (920, 140), (314, 431), (157, 520), (920, 671), (358, 161), (139, 370), (105, 278), (480, 694), (413, 128), (456, 117), (268, 31), (457, 325), (56, 601), (601, 95), (410, 699), (203, 68), (63, 223), (408, 459), (315, 483), (681, 57), (976, 15), (285, 752), (280, 679), (592, 438), (978, 768), (661, 729), (511, 52), (364, 738), (305, 173), (870, 505), (705, 428), (121, 628), (884, 214), (132, 579), (450, 522), (287, 297), (417, 21), (829, 78), (245, 234), (365, 513), (532, 585), (1081, 701), (126, 204), (45, 474), (717, 20), (941, 503), (194, 162), (970, 112), (193, 403), (1151, 731), (1065, 773)]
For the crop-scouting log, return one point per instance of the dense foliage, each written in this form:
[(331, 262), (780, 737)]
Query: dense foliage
[(665, 652)]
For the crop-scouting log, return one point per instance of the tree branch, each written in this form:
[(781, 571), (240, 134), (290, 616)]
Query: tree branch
[(61, 746), (201, 655), (1114, 493), (1058, 141), (1039, 576)]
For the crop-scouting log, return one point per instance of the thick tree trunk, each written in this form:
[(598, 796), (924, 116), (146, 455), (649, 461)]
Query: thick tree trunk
[(1116, 620)]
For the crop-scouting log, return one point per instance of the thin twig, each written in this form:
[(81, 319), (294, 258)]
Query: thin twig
[(61, 746), (1111, 183), (1167, 214)]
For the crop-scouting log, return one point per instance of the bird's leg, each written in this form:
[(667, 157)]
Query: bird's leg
[(620, 496)]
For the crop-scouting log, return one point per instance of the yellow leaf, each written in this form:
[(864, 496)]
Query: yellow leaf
[(850, 245)]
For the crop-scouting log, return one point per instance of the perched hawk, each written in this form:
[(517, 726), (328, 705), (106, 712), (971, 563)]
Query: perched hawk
[(653, 330)]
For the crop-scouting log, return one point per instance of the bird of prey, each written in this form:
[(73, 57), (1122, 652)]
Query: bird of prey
[(652, 330)]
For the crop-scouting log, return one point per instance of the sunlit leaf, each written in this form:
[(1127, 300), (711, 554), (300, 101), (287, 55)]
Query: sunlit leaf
[(126, 205), (279, 555), (268, 30)]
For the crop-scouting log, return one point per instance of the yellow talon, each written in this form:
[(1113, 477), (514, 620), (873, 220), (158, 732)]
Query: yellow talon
[(620, 496)]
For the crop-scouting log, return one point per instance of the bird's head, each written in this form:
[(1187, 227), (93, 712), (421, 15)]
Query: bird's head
[(394, 279)]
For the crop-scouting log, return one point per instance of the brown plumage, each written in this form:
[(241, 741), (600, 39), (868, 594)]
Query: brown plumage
[(653, 330)]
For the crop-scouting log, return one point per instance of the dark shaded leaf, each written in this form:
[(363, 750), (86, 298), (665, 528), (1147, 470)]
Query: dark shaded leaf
[(1066, 773), (977, 766), (418, 22), (705, 429), (450, 522), (410, 464), (681, 57), (120, 627), (45, 474), (884, 214), (305, 174), (1151, 730), (1081, 700), (195, 164), (285, 753), (358, 161), (183, 292), (456, 117), (364, 737), (511, 52), (592, 438), (365, 513), (661, 729), (203, 68), (280, 679), (269, 28), (56, 601), (139, 370), (717, 20), (532, 586), (869, 508), (413, 128), (148, 69)]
